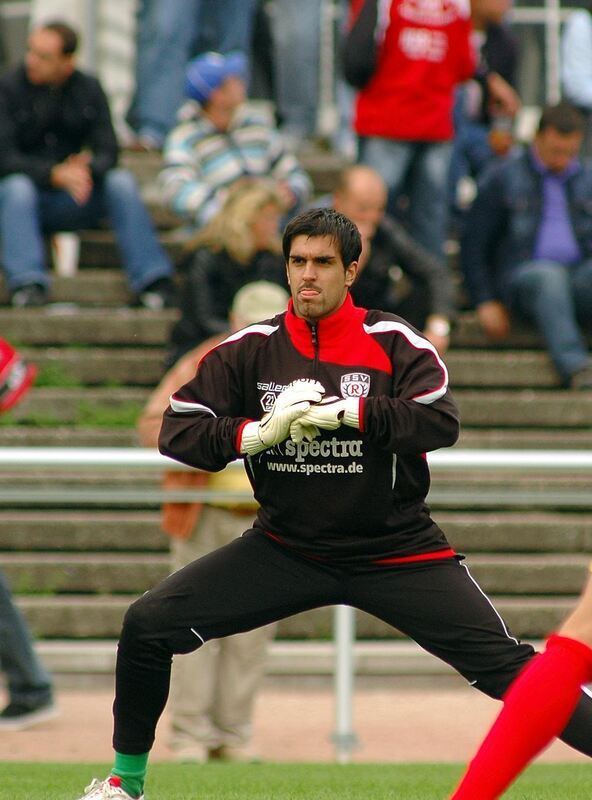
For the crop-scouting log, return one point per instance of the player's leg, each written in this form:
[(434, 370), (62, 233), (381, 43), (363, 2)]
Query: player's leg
[(536, 708), (244, 585), (441, 606), (193, 676)]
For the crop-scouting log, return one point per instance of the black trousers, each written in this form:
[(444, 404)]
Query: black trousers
[(254, 581)]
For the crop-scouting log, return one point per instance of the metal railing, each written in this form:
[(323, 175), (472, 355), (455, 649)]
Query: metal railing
[(142, 460), (150, 461)]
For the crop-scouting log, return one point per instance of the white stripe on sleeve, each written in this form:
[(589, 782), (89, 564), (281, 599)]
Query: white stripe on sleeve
[(185, 407), (390, 326)]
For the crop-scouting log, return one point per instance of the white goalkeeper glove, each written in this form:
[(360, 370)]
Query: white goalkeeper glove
[(301, 432), (274, 426), (328, 414)]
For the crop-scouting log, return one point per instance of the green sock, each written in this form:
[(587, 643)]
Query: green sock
[(132, 771)]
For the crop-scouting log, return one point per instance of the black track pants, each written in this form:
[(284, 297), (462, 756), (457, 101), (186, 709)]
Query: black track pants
[(254, 581)]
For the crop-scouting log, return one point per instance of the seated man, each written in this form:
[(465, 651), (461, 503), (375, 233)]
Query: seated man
[(527, 246), (219, 140), (57, 173), (396, 273)]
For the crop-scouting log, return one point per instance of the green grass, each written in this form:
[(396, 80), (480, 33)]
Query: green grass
[(290, 781)]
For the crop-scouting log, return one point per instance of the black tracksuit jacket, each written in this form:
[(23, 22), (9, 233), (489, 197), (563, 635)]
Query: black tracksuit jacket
[(351, 495), (40, 126)]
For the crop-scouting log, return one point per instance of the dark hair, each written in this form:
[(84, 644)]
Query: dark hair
[(563, 117), (325, 222), (67, 34)]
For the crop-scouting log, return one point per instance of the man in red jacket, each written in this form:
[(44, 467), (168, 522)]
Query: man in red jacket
[(404, 111)]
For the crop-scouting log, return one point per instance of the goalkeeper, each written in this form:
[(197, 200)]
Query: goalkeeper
[(333, 408)]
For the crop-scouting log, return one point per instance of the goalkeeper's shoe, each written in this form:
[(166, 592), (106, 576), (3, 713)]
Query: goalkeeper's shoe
[(109, 789)]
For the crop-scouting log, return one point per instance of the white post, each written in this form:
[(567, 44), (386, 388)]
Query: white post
[(89, 28), (327, 112), (344, 738), (553, 48)]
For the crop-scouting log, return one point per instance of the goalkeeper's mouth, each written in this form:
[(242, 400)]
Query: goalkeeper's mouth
[(308, 292)]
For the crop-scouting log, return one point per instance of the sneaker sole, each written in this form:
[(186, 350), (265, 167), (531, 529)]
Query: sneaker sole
[(28, 720)]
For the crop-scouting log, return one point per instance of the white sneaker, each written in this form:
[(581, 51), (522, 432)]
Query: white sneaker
[(109, 789)]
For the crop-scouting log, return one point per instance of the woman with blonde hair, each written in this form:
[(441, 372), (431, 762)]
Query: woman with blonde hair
[(239, 245)]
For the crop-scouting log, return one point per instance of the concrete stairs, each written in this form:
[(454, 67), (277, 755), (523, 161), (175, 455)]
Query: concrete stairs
[(75, 568)]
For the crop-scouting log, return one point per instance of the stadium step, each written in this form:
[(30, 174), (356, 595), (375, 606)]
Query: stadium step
[(127, 366), (82, 531), (87, 617), (527, 370), (117, 531), (72, 327), (14, 434), (74, 658), (131, 573), (512, 408)]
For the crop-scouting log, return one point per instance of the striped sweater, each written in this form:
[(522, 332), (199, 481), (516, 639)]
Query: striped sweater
[(201, 162)]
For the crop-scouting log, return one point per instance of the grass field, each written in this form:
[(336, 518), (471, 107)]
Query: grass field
[(290, 781)]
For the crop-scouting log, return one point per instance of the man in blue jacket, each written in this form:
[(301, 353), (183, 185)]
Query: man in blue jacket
[(527, 247)]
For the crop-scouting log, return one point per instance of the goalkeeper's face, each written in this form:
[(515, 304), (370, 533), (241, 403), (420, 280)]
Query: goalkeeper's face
[(318, 279)]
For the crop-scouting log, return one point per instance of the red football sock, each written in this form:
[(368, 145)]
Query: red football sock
[(537, 707)]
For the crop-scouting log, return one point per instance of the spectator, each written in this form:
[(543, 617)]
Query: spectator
[(30, 691), (395, 273), (219, 140), (169, 34), (576, 66), (528, 244), (212, 692), (106, 46), (483, 129), (240, 244), (404, 110), (57, 172)]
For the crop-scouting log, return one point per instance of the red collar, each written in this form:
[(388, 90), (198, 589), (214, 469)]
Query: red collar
[(341, 337), (330, 328)]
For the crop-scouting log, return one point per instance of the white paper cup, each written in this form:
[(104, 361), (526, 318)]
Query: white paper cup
[(65, 249)]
